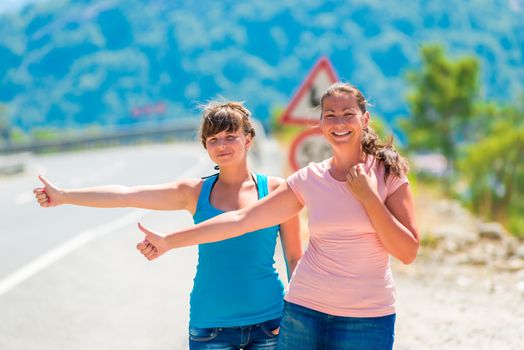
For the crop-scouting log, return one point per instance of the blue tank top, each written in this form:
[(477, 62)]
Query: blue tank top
[(236, 283)]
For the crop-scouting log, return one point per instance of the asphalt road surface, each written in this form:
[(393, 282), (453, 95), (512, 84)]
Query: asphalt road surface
[(71, 278)]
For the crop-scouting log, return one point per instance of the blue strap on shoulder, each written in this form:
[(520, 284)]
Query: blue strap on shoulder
[(205, 192)]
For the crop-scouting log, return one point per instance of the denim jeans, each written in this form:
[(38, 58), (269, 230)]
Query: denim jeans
[(306, 329), (253, 337)]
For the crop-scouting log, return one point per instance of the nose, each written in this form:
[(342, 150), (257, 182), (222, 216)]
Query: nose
[(339, 119), (221, 142)]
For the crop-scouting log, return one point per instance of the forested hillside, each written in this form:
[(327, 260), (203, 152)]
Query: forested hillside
[(76, 63)]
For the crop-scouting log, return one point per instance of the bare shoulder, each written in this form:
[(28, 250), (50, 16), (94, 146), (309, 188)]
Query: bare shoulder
[(273, 182), (190, 187)]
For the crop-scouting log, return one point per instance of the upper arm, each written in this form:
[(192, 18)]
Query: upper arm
[(401, 204), (176, 195), (289, 230), (291, 239)]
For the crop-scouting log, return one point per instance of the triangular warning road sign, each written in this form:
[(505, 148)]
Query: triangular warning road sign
[(302, 109)]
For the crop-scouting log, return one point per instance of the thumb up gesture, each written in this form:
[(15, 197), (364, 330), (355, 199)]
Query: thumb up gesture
[(48, 195), (153, 244)]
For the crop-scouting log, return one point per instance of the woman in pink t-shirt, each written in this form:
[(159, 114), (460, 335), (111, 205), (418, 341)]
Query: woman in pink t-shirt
[(360, 207)]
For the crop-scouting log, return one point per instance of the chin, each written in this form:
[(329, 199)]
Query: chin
[(227, 162)]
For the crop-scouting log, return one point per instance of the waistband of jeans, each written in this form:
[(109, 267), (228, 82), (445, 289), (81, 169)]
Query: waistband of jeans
[(271, 322), (309, 311)]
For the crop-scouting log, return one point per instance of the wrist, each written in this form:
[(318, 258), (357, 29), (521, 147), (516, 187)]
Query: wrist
[(371, 199), (64, 196), (170, 241)]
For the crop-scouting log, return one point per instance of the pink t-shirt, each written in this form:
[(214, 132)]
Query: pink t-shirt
[(345, 270)]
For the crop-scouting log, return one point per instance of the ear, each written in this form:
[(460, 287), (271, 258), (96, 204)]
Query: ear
[(249, 141), (365, 120)]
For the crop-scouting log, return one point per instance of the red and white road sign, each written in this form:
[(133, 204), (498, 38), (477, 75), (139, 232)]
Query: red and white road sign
[(309, 146), (303, 108)]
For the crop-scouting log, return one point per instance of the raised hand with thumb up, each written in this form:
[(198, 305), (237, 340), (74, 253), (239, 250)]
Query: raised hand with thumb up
[(153, 244), (49, 195)]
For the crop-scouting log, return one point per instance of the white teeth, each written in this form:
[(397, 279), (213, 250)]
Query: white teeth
[(341, 133)]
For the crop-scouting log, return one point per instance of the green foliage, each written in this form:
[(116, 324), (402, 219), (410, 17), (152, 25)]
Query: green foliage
[(380, 127), (285, 133), (274, 119), (493, 166), (5, 127), (483, 140), (441, 102), (429, 240), (46, 134), (516, 220), (18, 136)]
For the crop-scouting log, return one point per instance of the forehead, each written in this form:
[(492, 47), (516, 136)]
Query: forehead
[(224, 133), (340, 102)]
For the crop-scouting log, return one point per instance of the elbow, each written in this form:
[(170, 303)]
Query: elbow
[(293, 262), (410, 256), (295, 258), (406, 260)]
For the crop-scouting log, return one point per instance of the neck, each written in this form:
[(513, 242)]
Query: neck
[(234, 175), (343, 160)]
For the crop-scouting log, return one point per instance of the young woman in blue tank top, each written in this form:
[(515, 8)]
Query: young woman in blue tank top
[(237, 297)]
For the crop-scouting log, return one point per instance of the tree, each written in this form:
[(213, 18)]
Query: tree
[(441, 103), (493, 166)]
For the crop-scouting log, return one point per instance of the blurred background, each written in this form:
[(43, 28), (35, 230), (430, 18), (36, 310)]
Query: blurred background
[(96, 92)]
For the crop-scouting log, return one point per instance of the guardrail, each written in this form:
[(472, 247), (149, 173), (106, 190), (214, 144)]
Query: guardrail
[(14, 157), (185, 129), (13, 163)]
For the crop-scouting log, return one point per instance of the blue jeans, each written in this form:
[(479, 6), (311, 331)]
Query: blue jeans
[(253, 337), (306, 329)]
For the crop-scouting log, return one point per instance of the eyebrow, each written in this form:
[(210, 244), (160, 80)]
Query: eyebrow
[(345, 109)]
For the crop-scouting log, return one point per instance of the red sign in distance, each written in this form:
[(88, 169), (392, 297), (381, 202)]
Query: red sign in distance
[(310, 145), (303, 108)]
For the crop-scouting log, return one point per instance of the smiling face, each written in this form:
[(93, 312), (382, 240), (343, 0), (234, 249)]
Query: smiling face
[(226, 132), (228, 147), (342, 120)]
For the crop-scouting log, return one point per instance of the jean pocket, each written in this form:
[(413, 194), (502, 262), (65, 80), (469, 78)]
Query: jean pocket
[(202, 334), (269, 326)]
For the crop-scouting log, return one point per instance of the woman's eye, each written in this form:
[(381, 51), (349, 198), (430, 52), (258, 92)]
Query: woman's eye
[(231, 137)]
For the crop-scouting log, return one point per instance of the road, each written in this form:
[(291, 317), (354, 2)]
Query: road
[(70, 277)]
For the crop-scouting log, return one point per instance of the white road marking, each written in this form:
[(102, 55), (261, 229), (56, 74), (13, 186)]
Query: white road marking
[(42, 262), (65, 248)]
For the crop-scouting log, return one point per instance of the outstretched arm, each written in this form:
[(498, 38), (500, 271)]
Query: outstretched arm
[(176, 195), (279, 206)]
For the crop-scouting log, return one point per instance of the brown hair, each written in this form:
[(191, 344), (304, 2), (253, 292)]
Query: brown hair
[(384, 152), (228, 116)]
